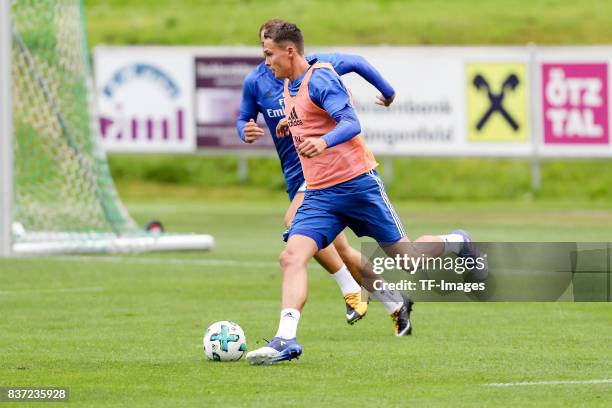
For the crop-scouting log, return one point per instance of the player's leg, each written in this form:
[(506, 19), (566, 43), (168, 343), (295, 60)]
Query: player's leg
[(313, 228), (460, 243), (355, 299), (328, 258), (349, 255), (398, 305), (353, 204), (428, 246), (370, 213), (293, 261), (296, 202), (457, 242), (387, 225), (333, 263), (376, 217)]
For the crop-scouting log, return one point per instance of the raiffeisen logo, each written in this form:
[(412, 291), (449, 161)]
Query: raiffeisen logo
[(145, 106)]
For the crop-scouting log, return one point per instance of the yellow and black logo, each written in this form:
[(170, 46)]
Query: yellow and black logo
[(497, 102)]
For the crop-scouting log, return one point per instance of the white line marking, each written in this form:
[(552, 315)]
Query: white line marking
[(50, 290), (155, 261), (561, 382)]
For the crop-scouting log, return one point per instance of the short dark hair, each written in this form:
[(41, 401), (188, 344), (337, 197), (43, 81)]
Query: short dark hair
[(281, 31)]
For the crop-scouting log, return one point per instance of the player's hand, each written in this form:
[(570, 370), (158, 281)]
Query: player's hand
[(380, 100), (312, 146), (282, 129), (252, 131)]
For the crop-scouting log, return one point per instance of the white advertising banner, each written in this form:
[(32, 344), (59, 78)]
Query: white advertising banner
[(450, 101), (145, 99)]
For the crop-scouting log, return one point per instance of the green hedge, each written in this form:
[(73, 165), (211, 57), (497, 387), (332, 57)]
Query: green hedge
[(370, 21), (422, 178)]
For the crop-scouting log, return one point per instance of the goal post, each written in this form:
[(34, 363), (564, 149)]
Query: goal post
[(6, 134), (58, 193)]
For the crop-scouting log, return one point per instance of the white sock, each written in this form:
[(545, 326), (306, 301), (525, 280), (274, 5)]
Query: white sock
[(452, 243), (345, 281), (287, 327), (391, 299)]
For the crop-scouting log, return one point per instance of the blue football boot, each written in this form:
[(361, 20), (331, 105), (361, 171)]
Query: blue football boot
[(276, 351), (471, 251)]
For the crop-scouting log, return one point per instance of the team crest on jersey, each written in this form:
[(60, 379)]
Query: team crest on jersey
[(293, 119)]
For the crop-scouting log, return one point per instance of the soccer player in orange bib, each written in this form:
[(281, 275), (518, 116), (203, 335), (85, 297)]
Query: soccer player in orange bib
[(263, 94), (343, 189)]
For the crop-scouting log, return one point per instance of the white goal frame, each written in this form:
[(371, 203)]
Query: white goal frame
[(14, 240), (6, 131)]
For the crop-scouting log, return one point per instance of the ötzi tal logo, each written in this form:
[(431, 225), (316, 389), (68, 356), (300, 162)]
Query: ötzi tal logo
[(497, 102)]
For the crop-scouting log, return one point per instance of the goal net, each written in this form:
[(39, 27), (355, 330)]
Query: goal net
[(65, 200)]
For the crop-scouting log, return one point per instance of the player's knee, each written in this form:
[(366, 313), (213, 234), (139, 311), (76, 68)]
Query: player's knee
[(289, 258)]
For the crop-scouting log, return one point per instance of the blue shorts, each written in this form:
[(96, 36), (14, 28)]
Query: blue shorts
[(298, 186), (360, 204)]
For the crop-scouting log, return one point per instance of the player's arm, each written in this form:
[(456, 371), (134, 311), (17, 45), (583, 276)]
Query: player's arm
[(246, 125), (347, 127), (328, 92), (347, 63)]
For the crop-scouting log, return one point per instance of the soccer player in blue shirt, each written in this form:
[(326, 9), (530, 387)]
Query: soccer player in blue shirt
[(343, 190), (263, 93)]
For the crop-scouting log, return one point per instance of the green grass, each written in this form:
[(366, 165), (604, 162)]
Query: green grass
[(352, 22), (135, 338), (455, 179)]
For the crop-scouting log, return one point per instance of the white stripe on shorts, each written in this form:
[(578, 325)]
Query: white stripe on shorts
[(383, 193)]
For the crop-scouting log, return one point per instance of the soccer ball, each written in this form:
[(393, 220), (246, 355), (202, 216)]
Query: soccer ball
[(224, 341)]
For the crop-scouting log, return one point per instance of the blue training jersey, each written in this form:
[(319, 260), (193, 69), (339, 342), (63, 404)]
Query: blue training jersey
[(263, 93), (326, 90)]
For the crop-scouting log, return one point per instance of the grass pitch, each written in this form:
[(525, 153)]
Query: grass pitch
[(352, 21), (127, 331)]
